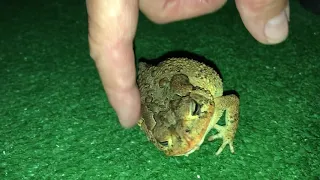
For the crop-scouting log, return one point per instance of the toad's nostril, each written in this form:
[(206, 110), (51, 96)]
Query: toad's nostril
[(164, 143)]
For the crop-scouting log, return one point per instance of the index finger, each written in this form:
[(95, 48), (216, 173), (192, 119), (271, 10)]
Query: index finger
[(112, 26)]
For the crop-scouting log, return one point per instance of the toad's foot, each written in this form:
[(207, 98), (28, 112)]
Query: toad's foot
[(229, 104), (226, 134)]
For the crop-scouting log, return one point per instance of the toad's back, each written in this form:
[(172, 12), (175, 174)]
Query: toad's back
[(198, 73)]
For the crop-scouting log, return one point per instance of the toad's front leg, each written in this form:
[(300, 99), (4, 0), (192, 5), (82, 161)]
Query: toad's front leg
[(230, 104)]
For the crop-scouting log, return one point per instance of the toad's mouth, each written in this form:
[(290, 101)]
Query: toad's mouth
[(191, 146), (193, 141)]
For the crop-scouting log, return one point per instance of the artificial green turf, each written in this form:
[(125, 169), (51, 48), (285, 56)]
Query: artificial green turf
[(57, 124)]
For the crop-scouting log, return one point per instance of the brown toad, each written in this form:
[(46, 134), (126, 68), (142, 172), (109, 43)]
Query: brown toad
[(181, 101)]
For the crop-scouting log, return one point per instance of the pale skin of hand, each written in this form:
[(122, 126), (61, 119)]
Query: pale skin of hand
[(112, 27)]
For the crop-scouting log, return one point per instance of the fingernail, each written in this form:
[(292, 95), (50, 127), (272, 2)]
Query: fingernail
[(276, 29)]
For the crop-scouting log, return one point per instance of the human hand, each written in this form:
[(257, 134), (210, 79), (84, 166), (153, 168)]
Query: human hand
[(112, 27)]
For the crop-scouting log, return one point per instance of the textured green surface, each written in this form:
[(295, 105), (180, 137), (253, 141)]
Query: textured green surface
[(57, 124)]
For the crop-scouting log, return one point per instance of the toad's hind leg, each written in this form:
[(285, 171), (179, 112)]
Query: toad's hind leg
[(230, 104)]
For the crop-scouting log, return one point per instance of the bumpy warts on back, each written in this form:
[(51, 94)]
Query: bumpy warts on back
[(182, 100)]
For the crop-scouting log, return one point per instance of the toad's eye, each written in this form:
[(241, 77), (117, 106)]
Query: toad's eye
[(195, 108), (164, 143)]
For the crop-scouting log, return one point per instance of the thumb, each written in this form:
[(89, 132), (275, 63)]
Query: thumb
[(266, 20)]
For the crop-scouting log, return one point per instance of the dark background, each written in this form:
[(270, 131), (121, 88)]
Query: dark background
[(56, 122)]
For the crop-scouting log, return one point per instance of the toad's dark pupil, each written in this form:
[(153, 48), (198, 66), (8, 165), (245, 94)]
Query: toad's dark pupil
[(164, 143), (196, 110)]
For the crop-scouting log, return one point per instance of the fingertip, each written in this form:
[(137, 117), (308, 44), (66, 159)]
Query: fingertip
[(276, 29), (127, 106), (267, 21), (127, 120), (128, 123)]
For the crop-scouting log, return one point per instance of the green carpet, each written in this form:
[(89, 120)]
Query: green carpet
[(57, 124)]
